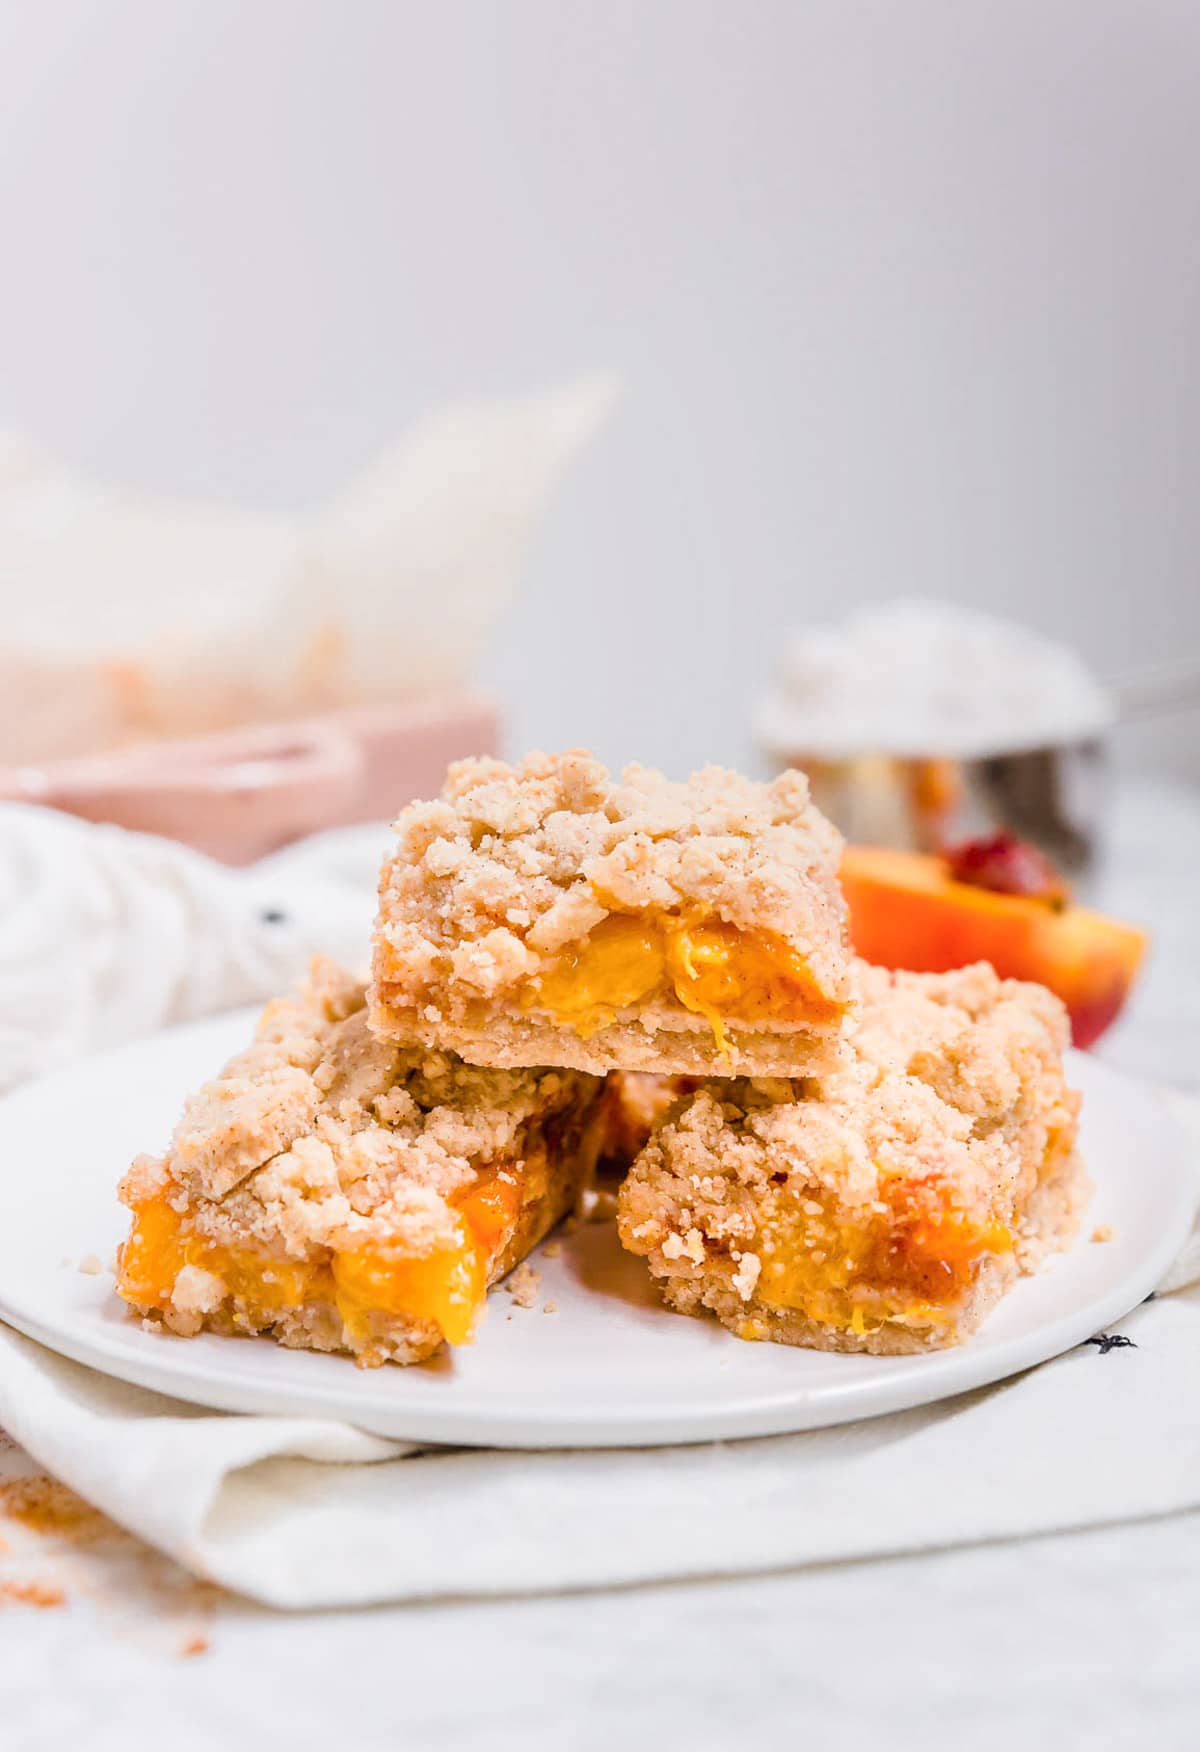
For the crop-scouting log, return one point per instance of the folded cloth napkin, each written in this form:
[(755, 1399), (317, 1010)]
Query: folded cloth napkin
[(106, 935), (303, 1513)]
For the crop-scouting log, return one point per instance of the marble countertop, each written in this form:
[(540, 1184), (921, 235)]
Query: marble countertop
[(1085, 1639)]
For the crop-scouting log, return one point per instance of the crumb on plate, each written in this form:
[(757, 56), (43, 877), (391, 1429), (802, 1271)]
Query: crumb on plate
[(523, 1284)]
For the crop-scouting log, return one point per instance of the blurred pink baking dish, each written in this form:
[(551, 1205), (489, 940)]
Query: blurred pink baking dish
[(239, 794)]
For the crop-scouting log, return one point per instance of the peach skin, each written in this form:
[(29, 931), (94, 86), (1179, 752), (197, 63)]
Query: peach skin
[(908, 910)]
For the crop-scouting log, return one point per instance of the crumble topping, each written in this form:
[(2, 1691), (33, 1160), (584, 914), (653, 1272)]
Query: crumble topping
[(954, 1088), (317, 1134), (953, 1076), (515, 865), (746, 1275)]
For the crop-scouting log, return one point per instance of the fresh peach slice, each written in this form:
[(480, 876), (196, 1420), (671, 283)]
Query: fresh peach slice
[(908, 910)]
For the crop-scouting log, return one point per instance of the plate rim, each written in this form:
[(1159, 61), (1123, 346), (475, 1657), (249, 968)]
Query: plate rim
[(909, 1382)]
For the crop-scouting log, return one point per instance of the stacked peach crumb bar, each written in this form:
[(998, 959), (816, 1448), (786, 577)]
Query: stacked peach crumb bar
[(568, 967)]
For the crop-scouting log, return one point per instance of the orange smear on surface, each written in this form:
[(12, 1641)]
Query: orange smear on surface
[(44, 1506), (32, 1594)]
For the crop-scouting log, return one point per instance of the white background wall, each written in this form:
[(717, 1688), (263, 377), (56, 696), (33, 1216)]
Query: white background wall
[(906, 295)]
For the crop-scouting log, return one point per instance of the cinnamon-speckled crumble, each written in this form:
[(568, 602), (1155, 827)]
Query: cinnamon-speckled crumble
[(886, 1206), (319, 1140), (516, 868)]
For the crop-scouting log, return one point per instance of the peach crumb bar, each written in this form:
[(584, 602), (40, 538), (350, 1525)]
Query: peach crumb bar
[(887, 1206), (347, 1194), (549, 913)]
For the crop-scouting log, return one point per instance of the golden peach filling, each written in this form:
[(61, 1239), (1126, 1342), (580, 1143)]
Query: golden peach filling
[(445, 1286), (909, 1264), (713, 968)]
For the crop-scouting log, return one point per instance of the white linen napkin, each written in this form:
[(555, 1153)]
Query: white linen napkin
[(107, 935), (303, 1513), (300, 1513)]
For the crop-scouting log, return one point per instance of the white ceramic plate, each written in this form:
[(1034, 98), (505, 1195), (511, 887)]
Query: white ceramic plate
[(611, 1367)]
